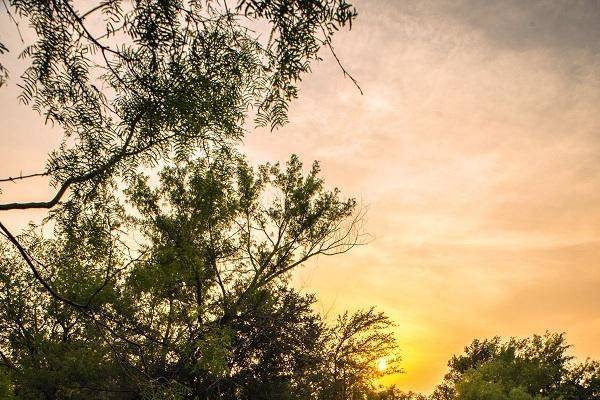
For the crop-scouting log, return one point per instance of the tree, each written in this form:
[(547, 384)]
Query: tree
[(134, 291), (359, 341), (393, 393), (132, 85), (533, 368), (200, 307)]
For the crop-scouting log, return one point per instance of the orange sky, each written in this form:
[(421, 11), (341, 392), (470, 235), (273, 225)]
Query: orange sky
[(476, 149)]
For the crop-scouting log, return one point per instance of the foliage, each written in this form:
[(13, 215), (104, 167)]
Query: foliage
[(178, 291), (182, 292), (132, 84), (6, 390), (393, 393), (361, 339), (533, 368)]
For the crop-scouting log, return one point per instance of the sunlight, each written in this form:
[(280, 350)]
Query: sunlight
[(382, 364)]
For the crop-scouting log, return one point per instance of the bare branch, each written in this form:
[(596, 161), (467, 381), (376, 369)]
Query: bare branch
[(21, 176)]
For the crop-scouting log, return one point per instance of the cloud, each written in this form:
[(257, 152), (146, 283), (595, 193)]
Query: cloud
[(561, 26), (476, 148)]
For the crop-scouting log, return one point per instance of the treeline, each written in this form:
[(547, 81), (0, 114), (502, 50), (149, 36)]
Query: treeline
[(535, 368), (181, 290)]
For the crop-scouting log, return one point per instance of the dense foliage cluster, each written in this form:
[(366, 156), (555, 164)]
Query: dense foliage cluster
[(520, 369), (182, 292)]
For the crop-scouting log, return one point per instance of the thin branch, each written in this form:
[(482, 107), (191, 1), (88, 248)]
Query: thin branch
[(21, 176), (78, 179), (87, 33), (109, 277), (35, 271), (12, 18), (96, 8), (54, 201), (7, 361), (329, 45)]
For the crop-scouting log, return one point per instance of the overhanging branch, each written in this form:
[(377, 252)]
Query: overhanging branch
[(81, 178)]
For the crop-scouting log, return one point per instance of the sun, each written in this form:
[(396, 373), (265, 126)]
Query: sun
[(382, 364)]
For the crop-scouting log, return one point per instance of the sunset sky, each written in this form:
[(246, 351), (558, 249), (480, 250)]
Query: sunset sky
[(476, 151)]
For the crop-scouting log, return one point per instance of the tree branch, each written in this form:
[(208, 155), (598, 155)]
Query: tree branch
[(35, 271), (78, 179), (21, 176)]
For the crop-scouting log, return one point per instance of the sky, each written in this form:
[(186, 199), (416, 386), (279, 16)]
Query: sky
[(475, 151)]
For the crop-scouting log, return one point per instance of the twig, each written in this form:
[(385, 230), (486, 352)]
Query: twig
[(12, 18), (346, 73), (21, 176), (35, 271)]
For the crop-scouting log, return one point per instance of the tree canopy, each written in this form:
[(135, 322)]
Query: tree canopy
[(182, 291), (534, 368), (538, 367)]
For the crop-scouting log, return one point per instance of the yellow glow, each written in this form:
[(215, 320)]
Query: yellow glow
[(382, 364)]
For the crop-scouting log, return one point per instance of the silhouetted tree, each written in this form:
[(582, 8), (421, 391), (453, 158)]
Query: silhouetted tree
[(359, 341), (179, 290), (393, 393), (189, 296)]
